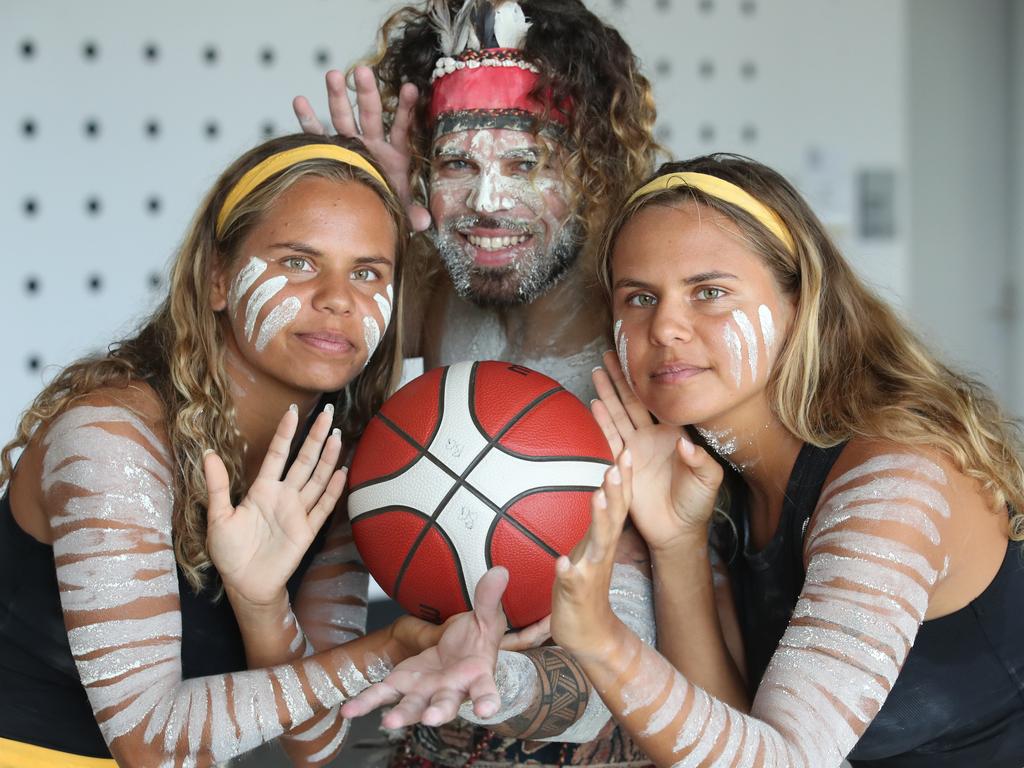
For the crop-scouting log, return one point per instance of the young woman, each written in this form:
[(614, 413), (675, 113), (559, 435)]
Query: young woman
[(143, 469), (864, 597)]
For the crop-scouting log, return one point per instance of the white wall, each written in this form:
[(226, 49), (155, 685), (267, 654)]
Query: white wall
[(960, 148), (1015, 351), (816, 89)]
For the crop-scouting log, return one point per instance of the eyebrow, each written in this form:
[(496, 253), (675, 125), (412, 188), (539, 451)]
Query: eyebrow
[(450, 152), (521, 153), (700, 277)]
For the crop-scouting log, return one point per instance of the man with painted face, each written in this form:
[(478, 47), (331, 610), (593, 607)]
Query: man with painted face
[(509, 129)]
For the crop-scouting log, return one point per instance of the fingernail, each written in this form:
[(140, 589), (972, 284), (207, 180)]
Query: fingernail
[(627, 458), (207, 452), (687, 445), (293, 408), (336, 433), (595, 399), (329, 408), (614, 476), (597, 368), (600, 499)]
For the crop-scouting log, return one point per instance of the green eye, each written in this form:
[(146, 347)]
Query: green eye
[(364, 273), (710, 294), (641, 300), (297, 263)]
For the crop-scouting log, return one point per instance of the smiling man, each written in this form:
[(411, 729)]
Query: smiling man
[(516, 126)]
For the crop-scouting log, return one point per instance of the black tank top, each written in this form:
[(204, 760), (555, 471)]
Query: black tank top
[(959, 699), (42, 700)]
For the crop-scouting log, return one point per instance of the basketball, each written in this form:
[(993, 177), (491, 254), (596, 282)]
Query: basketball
[(467, 467)]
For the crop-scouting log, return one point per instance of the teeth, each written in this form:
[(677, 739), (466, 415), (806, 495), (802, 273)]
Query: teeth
[(494, 243)]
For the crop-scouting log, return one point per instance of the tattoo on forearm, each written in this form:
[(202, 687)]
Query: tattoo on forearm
[(564, 692)]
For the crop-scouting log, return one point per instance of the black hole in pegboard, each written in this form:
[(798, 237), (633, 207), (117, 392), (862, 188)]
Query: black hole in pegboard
[(34, 363), (663, 67), (152, 128), (93, 206), (27, 48), (156, 280), (267, 56), (151, 52), (706, 68), (322, 57), (662, 5), (706, 6), (154, 204), (94, 282), (210, 54), (30, 207), (268, 129), (748, 7), (91, 128), (749, 133), (748, 70), (211, 130), (664, 132), (29, 129), (33, 285), (90, 50), (707, 132)]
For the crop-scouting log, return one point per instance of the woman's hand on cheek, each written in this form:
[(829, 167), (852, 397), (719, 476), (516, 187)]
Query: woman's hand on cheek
[(617, 410), (582, 621), (675, 484), (257, 545)]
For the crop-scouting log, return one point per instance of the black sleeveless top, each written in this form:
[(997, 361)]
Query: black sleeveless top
[(959, 699), (42, 701)]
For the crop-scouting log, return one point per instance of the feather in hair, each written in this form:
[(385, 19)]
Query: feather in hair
[(454, 35)]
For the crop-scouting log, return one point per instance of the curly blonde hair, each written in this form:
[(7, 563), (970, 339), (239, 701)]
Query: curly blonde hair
[(609, 141), (179, 351), (850, 367)]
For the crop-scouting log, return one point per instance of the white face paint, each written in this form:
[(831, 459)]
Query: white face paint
[(732, 343), (622, 349), (372, 332), (764, 316), (750, 338), (264, 292), (503, 224), (279, 318), (243, 281)]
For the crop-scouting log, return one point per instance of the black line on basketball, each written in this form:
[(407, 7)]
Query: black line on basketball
[(541, 459), (393, 507)]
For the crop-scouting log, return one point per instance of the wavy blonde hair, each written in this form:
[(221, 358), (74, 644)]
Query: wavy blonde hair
[(850, 367), (179, 351), (609, 141)]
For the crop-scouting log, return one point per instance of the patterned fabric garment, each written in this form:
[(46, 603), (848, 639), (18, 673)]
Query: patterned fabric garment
[(959, 698), (460, 744)]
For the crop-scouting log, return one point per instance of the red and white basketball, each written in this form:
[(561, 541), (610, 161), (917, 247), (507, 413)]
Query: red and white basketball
[(467, 467)]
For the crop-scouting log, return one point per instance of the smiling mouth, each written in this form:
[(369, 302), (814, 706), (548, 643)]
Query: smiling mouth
[(495, 243)]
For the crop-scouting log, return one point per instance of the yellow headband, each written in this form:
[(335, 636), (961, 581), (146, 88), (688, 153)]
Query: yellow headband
[(723, 190), (282, 160)]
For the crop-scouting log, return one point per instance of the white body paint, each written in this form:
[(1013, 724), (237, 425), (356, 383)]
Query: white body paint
[(764, 316), (865, 595), (107, 476), (750, 338), (243, 281), (732, 343), (279, 317)]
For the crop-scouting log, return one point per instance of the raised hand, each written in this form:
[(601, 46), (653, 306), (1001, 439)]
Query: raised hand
[(617, 410), (582, 620), (430, 687), (257, 545), (392, 149), (675, 484)]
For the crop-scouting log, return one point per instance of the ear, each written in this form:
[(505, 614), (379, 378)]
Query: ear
[(220, 282)]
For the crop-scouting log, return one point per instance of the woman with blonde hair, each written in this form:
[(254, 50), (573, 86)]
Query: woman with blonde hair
[(857, 593), (863, 597), (160, 475)]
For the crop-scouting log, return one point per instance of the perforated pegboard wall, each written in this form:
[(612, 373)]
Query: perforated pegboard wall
[(117, 115)]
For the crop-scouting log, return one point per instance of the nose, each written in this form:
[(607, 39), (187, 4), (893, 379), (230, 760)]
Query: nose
[(487, 195), (334, 295), (671, 324)]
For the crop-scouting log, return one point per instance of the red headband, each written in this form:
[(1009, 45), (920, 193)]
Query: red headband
[(489, 89)]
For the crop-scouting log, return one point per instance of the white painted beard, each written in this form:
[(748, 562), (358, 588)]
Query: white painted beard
[(523, 280)]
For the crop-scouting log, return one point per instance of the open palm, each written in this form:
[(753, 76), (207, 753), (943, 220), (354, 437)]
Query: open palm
[(257, 545)]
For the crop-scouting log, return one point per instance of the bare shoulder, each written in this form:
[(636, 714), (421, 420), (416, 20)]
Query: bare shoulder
[(915, 499)]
